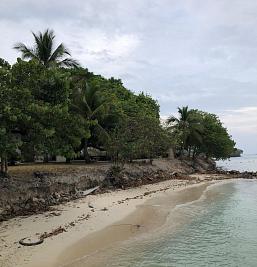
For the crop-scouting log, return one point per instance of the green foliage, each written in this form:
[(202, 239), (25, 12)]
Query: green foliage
[(138, 137), (4, 64), (66, 110), (217, 142), (108, 105), (36, 113), (200, 132), (49, 110), (12, 101), (187, 128)]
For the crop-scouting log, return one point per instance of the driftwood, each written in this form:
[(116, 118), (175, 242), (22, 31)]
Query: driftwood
[(89, 191), (56, 231)]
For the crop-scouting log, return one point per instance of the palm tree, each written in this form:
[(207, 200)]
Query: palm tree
[(90, 104), (187, 126), (43, 51)]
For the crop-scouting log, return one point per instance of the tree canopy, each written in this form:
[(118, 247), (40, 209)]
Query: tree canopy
[(199, 132), (47, 109)]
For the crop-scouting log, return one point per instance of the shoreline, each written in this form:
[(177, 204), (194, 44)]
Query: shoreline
[(87, 217), (48, 186), (150, 216), (77, 218)]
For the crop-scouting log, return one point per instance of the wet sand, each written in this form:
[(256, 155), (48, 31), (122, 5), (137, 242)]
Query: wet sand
[(93, 250)]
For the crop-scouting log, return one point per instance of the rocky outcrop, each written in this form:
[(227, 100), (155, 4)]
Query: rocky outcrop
[(237, 153), (238, 174)]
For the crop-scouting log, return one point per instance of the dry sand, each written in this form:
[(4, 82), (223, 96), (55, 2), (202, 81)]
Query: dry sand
[(115, 216)]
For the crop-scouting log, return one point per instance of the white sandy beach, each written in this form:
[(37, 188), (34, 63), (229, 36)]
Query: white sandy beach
[(79, 220)]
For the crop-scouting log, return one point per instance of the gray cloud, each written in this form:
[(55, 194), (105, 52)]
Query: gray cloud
[(197, 52)]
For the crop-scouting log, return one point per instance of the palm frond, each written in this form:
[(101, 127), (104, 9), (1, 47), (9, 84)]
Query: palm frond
[(172, 119), (59, 52), (26, 51), (69, 62), (103, 132), (99, 108), (197, 136)]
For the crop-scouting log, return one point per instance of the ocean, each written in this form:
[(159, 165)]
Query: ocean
[(219, 229), (244, 163)]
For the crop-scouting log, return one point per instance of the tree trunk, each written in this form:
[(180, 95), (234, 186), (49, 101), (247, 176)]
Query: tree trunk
[(28, 152), (46, 158), (4, 166), (194, 152), (189, 151), (86, 154)]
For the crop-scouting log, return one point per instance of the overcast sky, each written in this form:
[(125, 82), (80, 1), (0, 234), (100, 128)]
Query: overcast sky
[(201, 53)]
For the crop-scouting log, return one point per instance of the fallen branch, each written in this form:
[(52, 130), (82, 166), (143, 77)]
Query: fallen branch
[(89, 191), (56, 231)]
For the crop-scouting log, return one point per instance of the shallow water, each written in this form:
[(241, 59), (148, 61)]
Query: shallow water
[(220, 229), (244, 163)]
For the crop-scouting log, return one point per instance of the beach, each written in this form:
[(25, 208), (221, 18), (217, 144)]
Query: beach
[(84, 226), (128, 134)]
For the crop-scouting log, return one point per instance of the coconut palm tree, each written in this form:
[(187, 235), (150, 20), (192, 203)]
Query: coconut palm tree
[(43, 50), (90, 104), (187, 127)]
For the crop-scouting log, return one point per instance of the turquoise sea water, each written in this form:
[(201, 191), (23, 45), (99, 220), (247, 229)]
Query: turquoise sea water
[(219, 229), (244, 163)]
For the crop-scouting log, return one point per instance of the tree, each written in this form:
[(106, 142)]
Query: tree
[(89, 104), (138, 137), (13, 103), (43, 50), (4, 64), (53, 129), (187, 128), (216, 142), (153, 139), (201, 132)]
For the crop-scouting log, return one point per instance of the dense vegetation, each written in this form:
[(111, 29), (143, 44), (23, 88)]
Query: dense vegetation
[(197, 132), (49, 105)]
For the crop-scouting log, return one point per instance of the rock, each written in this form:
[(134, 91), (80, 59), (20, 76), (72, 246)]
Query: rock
[(42, 201), (34, 199), (56, 195)]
